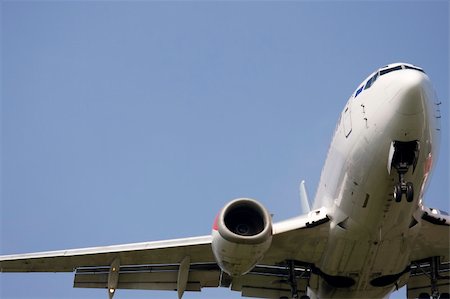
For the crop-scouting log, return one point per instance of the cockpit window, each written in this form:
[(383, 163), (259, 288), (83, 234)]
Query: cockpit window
[(408, 67), (384, 71), (371, 81), (359, 91), (396, 68)]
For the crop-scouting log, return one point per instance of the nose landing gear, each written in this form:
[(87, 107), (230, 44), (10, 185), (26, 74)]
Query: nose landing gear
[(403, 188), (404, 155)]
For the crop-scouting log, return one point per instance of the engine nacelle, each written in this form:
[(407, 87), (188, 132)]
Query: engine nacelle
[(242, 233)]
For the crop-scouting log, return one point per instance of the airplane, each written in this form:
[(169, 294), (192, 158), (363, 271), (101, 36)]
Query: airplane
[(367, 233)]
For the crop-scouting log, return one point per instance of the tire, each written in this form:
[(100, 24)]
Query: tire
[(444, 296), (397, 193), (409, 192), (423, 296)]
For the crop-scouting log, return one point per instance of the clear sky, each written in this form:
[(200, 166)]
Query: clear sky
[(136, 121)]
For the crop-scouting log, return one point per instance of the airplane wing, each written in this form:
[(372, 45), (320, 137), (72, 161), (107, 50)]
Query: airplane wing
[(431, 255), (434, 235), (184, 264)]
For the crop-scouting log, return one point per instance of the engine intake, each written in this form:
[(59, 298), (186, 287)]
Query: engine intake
[(242, 233)]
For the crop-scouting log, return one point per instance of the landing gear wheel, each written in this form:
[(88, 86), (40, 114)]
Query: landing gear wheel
[(409, 192), (398, 193), (424, 296), (444, 296)]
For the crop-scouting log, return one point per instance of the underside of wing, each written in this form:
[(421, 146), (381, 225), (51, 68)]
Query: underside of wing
[(171, 277), (427, 277), (189, 264), (302, 239), (434, 236), (181, 264), (288, 266), (430, 267), (273, 281), (169, 251)]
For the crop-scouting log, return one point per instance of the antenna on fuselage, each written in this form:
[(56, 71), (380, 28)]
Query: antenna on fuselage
[(304, 201)]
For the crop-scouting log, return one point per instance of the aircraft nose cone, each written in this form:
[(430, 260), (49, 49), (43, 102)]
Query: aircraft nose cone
[(411, 99), (409, 105)]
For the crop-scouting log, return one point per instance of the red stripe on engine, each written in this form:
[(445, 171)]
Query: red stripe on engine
[(216, 224)]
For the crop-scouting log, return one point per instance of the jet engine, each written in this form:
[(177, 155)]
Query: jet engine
[(242, 233)]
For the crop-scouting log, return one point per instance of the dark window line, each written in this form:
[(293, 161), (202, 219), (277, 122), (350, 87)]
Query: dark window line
[(382, 72), (392, 69), (371, 81), (414, 68), (359, 91)]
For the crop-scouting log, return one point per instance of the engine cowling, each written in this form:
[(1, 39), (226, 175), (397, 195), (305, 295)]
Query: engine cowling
[(242, 233)]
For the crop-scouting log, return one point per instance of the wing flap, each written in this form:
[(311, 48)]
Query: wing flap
[(271, 282), (150, 277), (266, 292), (137, 281)]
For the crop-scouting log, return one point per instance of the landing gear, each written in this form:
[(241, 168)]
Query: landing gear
[(404, 155), (398, 193), (432, 268), (427, 296), (434, 276), (409, 192), (404, 188), (292, 281)]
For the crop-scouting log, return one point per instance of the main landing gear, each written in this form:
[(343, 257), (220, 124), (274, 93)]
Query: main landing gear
[(432, 269), (403, 156), (292, 281)]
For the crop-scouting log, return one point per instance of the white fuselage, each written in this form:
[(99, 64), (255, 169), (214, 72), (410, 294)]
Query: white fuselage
[(371, 234)]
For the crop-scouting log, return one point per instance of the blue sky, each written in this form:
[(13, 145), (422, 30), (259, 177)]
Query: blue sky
[(136, 121)]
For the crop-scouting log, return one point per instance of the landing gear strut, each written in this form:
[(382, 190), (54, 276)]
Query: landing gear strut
[(292, 280), (432, 269)]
